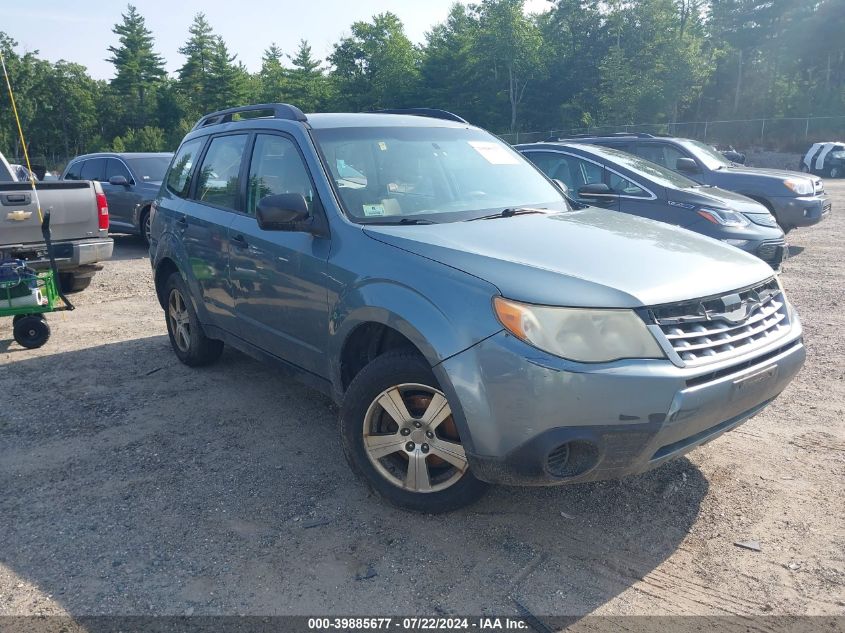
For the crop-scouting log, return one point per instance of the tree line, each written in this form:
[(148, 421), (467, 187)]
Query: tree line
[(580, 63)]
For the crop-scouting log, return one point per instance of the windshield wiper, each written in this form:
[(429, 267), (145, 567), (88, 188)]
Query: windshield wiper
[(510, 212), (402, 221)]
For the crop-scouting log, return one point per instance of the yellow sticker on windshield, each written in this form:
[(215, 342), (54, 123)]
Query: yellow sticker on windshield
[(494, 153)]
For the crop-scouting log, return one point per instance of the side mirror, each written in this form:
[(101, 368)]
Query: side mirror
[(118, 181), (282, 212), (687, 165), (596, 190), (564, 189)]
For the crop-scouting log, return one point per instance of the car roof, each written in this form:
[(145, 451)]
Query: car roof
[(122, 155), (328, 120)]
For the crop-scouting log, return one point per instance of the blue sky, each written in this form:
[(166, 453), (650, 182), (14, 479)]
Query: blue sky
[(81, 31)]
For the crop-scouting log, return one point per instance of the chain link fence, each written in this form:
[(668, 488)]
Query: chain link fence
[(786, 134)]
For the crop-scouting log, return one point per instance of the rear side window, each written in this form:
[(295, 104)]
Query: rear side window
[(178, 178), (277, 167), (72, 172), (219, 172), (93, 169)]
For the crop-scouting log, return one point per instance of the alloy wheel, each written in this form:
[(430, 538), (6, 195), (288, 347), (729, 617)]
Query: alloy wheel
[(411, 439), (180, 322)]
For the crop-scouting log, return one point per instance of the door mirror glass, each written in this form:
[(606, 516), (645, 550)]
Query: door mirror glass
[(118, 181), (562, 186), (596, 190), (687, 165), (282, 212)]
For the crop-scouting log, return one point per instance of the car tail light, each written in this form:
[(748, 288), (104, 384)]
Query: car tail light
[(102, 207)]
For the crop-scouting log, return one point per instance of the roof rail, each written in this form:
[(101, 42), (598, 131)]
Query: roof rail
[(611, 135), (432, 113), (279, 110)]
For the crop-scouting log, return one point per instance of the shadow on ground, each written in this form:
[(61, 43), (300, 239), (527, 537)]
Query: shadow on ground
[(134, 485), (128, 247)]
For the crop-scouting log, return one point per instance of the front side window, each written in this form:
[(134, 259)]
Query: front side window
[(277, 167), (115, 167), (434, 174), (625, 187), (219, 172), (178, 178)]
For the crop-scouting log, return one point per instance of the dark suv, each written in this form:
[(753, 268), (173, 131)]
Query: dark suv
[(471, 325), (795, 199), (130, 181)]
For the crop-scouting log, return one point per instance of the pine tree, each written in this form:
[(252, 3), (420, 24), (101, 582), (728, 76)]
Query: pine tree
[(194, 75), (308, 86), (138, 67)]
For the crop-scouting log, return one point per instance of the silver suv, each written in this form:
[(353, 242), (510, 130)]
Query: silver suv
[(472, 327)]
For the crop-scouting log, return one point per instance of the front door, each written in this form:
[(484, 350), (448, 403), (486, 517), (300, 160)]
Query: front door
[(121, 198), (278, 278)]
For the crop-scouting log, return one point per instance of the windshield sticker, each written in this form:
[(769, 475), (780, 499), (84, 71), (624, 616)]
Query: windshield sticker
[(382, 146), (494, 153), (373, 210)]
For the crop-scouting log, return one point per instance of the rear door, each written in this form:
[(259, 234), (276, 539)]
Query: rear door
[(279, 277), (121, 198)]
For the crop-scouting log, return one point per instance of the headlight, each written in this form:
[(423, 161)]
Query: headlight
[(800, 186), (723, 217), (580, 334)]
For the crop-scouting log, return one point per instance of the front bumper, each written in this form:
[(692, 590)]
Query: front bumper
[(801, 211), (529, 418)]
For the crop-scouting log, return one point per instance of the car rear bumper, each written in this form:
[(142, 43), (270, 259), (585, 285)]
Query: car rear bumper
[(535, 419), (803, 211), (70, 255)]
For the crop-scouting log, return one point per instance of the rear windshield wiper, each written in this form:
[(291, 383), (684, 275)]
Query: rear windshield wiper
[(510, 212), (402, 221)]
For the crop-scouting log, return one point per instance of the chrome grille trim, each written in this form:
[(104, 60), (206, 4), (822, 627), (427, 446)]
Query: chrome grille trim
[(716, 328)]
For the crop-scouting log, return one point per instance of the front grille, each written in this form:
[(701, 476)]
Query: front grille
[(772, 253), (719, 327)]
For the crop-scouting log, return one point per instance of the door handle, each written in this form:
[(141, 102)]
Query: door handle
[(182, 222), (240, 241), (13, 199)]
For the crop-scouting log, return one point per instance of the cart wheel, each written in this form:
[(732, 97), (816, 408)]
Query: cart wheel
[(17, 318), (31, 331)]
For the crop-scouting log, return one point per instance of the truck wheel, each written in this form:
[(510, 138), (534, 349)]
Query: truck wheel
[(71, 283), (398, 433), (189, 342), (31, 331)]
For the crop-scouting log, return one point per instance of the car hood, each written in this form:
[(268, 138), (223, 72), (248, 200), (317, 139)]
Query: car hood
[(587, 258), (756, 172), (718, 198)]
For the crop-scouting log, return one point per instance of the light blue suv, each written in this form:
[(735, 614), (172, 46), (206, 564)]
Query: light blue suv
[(472, 327)]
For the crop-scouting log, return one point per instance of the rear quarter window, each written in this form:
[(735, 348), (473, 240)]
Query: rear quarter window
[(178, 177)]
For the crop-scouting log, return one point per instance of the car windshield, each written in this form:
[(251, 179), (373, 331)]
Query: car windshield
[(706, 154), (150, 168), (430, 174), (658, 174)]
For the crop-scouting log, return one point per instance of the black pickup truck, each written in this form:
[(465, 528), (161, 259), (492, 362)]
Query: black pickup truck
[(79, 222), (795, 199)]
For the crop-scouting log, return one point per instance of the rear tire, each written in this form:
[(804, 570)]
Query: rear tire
[(410, 454), (31, 331), (71, 283), (187, 337)]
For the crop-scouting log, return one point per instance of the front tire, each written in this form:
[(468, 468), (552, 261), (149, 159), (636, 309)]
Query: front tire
[(835, 172), (144, 226), (187, 337), (71, 283), (398, 433)]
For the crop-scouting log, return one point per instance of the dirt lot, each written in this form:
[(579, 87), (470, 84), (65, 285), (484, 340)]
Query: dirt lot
[(134, 485)]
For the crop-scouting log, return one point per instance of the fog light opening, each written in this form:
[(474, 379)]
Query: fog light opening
[(572, 458)]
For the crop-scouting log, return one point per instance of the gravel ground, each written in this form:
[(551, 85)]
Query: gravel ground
[(135, 485)]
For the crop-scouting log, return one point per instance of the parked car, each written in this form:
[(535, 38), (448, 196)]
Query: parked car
[(795, 199), (825, 159), (731, 154), (607, 178), (472, 326), (131, 182), (79, 225)]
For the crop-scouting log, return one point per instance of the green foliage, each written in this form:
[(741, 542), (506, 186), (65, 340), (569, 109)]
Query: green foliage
[(579, 63)]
